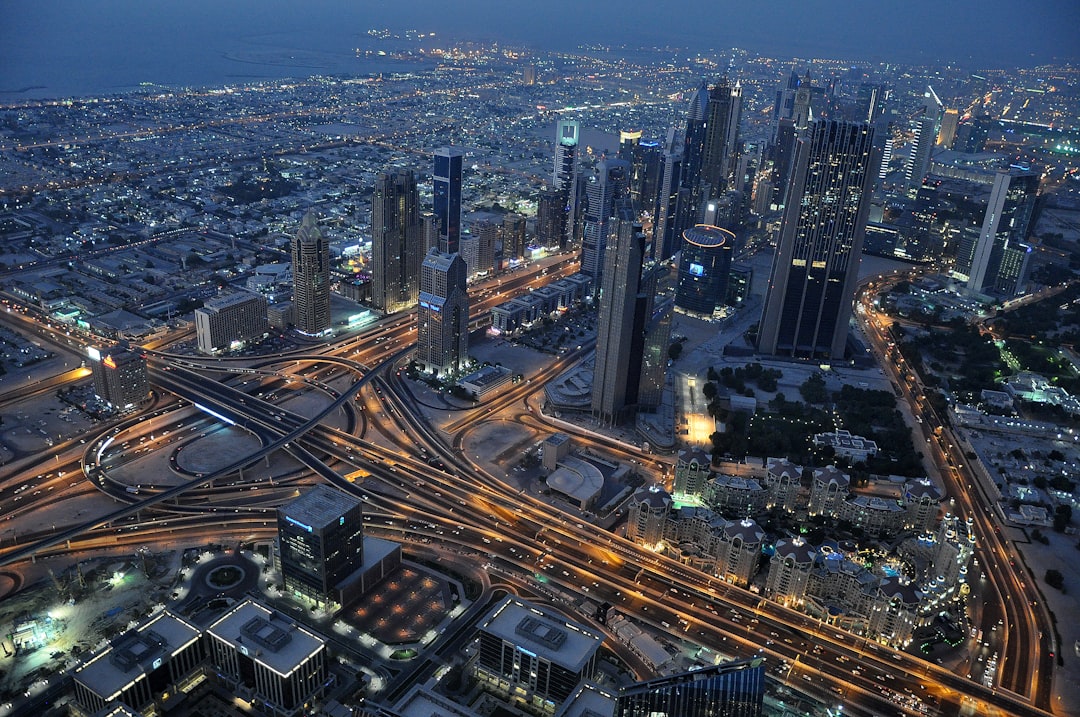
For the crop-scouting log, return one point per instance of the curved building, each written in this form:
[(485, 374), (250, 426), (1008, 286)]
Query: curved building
[(704, 268)]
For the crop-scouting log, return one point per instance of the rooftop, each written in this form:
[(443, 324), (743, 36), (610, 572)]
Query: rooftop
[(549, 635), (269, 637), (319, 506)]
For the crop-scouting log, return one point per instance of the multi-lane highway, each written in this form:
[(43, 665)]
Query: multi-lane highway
[(420, 488)]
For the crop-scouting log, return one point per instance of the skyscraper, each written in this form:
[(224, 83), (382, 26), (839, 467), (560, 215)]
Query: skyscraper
[(626, 308), (812, 284), (551, 217), (321, 537), (926, 127), (689, 212), (703, 268), (604, 190), (119, 376), (947, 134), (396, 239), (229, 319), (565, 177), (721, 148), (442, 316), (311, 278), (665, 223), (513, 236), (446, 187), (1000, 257), (732, 689)]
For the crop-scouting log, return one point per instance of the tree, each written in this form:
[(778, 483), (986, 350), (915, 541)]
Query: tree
[(1062, 517), (813, 389), (675, 351), (1055, 579), (709, 389)]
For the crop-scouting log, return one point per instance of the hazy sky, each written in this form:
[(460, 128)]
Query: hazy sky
[(67, 45)]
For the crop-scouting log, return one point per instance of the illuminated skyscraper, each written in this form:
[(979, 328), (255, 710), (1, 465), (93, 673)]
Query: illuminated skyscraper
[(625, 319), (550, 218), (442, 315), (926, 132), (311, 278), (812, 284), (1000, 259), (668, 196), (721, 149), (604, 190), (513, 236), (703, 268), (119, 376), (949, 123), (690, 208), (321, 541), (446, 188), (565, 177), (396, 239), (732, 689)]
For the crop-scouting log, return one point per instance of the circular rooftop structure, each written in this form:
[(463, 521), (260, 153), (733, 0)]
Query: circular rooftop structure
[(706, 235)]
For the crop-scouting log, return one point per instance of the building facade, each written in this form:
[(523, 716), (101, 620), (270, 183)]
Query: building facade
[(119, 376), (446, 190), (812, 284), (396, 241), (311, 279), (704, 266), (604, 191), (231, 319), (442, 317), (321, 541), (732, 689)]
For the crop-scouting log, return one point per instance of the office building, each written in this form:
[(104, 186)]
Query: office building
[(950, 121), (266, 657), (721, 148), (442, 317), (654, 358), (999, 261), (533, 656), (626, 309), (703, 269), (812, 284), (925, 127), (565, 178), (513, 237), (446, 190), (693, 152), (230, 321), (487, 232), (119, 376), (321, 536), (550, 217), (311, 279), (141, 668), (610, 185), (396, 241), (668, 196), (732, 689)]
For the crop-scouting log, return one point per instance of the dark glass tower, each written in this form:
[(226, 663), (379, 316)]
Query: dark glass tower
[(703, 268), (625, 319), (604, 190), (668, 196), (396, 239), (551, 217), (733, 689), (565, 177), (812, 284), (311, 278), (721, 149), (321, 536), (446, 180), (1000, 257)]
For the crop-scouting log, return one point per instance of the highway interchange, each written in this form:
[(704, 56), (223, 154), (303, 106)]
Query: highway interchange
[(420, 487)]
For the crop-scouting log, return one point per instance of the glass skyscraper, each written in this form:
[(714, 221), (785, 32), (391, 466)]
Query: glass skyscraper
[(446, 186), (733, 689), (812, 285), (311, 278), (396, 239), (703, 268)]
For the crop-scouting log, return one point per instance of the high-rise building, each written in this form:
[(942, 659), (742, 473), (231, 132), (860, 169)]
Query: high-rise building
[(812, 284), (396, 241), (446, 189), (513, 236), (487, 233), (321, 536), (230, 319), (665, 219), (950, 121), (721, 148), (694, 139), (925, 129), (732, 689), (565, 177), (610, 185), (535, 654), (626, 310), (1000, 261), (550, 217), (703, 269), (119, 376), (311, 278), (442, 317)]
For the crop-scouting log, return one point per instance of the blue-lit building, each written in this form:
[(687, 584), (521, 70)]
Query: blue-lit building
[(733, 689), (446, 185), (703, 268), (321, 537)]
